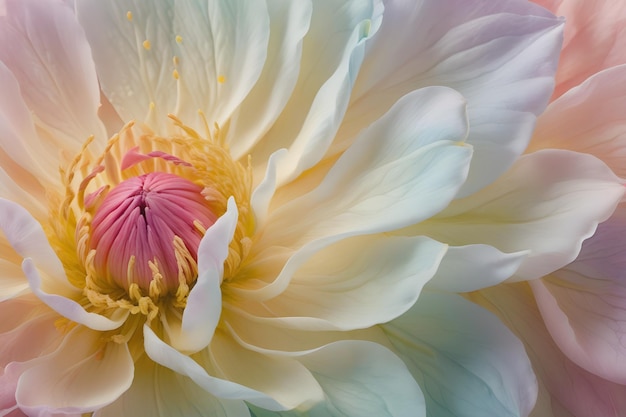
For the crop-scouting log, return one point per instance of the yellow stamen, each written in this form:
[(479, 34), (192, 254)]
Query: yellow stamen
[(129, 16), (147, 45), (221, 79)]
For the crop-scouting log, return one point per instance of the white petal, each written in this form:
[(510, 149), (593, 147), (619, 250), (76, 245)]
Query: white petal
[(69, 308), (28, 239), (364, 379), (159, 392), (466, 361), (169, 357), (548, 203), (472, 267), (500, 55), (289, 22), (356, 283), (332, 53), (204, 304), (588, 118), (45, 48), (217, 50), (404, 168), (82, 375)]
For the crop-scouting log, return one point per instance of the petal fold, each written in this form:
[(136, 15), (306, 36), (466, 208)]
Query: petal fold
[(45, 48), (501, 56), (204, 304), (548, 203), (465, 360), (82, 375)]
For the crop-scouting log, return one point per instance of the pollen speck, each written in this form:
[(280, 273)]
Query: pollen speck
[(146, 45), (221, 79), (152, 105), (179, 39), (175, 74), (175, 60), (129, 16)]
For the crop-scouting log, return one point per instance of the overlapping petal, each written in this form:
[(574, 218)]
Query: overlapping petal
[(82, 375), (583, 304), (500, 55), (487, 374), (44, 47), (548, 203), (566, 390)]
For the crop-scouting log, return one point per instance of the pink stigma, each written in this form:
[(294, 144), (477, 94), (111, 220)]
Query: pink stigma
[(140, 217)]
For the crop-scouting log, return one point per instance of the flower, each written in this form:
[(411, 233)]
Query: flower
[(213, 206), (571, 320)]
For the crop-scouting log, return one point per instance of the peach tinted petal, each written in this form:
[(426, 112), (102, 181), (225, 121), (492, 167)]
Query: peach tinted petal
[(589, 118), (593, 39)]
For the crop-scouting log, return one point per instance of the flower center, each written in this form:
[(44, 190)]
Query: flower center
[(147, 229)]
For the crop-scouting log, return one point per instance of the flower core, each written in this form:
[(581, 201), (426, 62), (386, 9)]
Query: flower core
[(149, 228)]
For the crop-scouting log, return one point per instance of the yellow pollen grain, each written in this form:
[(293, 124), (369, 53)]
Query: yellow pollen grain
[(129, 16), (152, 105), (179, 39), (221, 79), (175, 60), (175, 74), (147, 45)]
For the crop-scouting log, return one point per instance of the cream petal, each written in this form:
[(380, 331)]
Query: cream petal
[(566, 390), (82, 375), (45, 49), (289, 22), (588, 118), (204, 304), (159, 392), (364, 379), (355, 283), (332, 53), (376, 186), (465, 360), (380, 185), (472, 267), (548, 203), (501, 56), (165, 355), (28, 239), (176, 57), (263, 193), (275, 376)]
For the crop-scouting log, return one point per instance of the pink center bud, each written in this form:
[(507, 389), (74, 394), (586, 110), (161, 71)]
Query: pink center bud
[(138, 228)]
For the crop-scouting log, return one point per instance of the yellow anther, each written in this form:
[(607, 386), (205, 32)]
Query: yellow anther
[(179, 39), (152, 105), (146, 45), (221, 79), (175, 60), (129, 16), (175, 74)]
